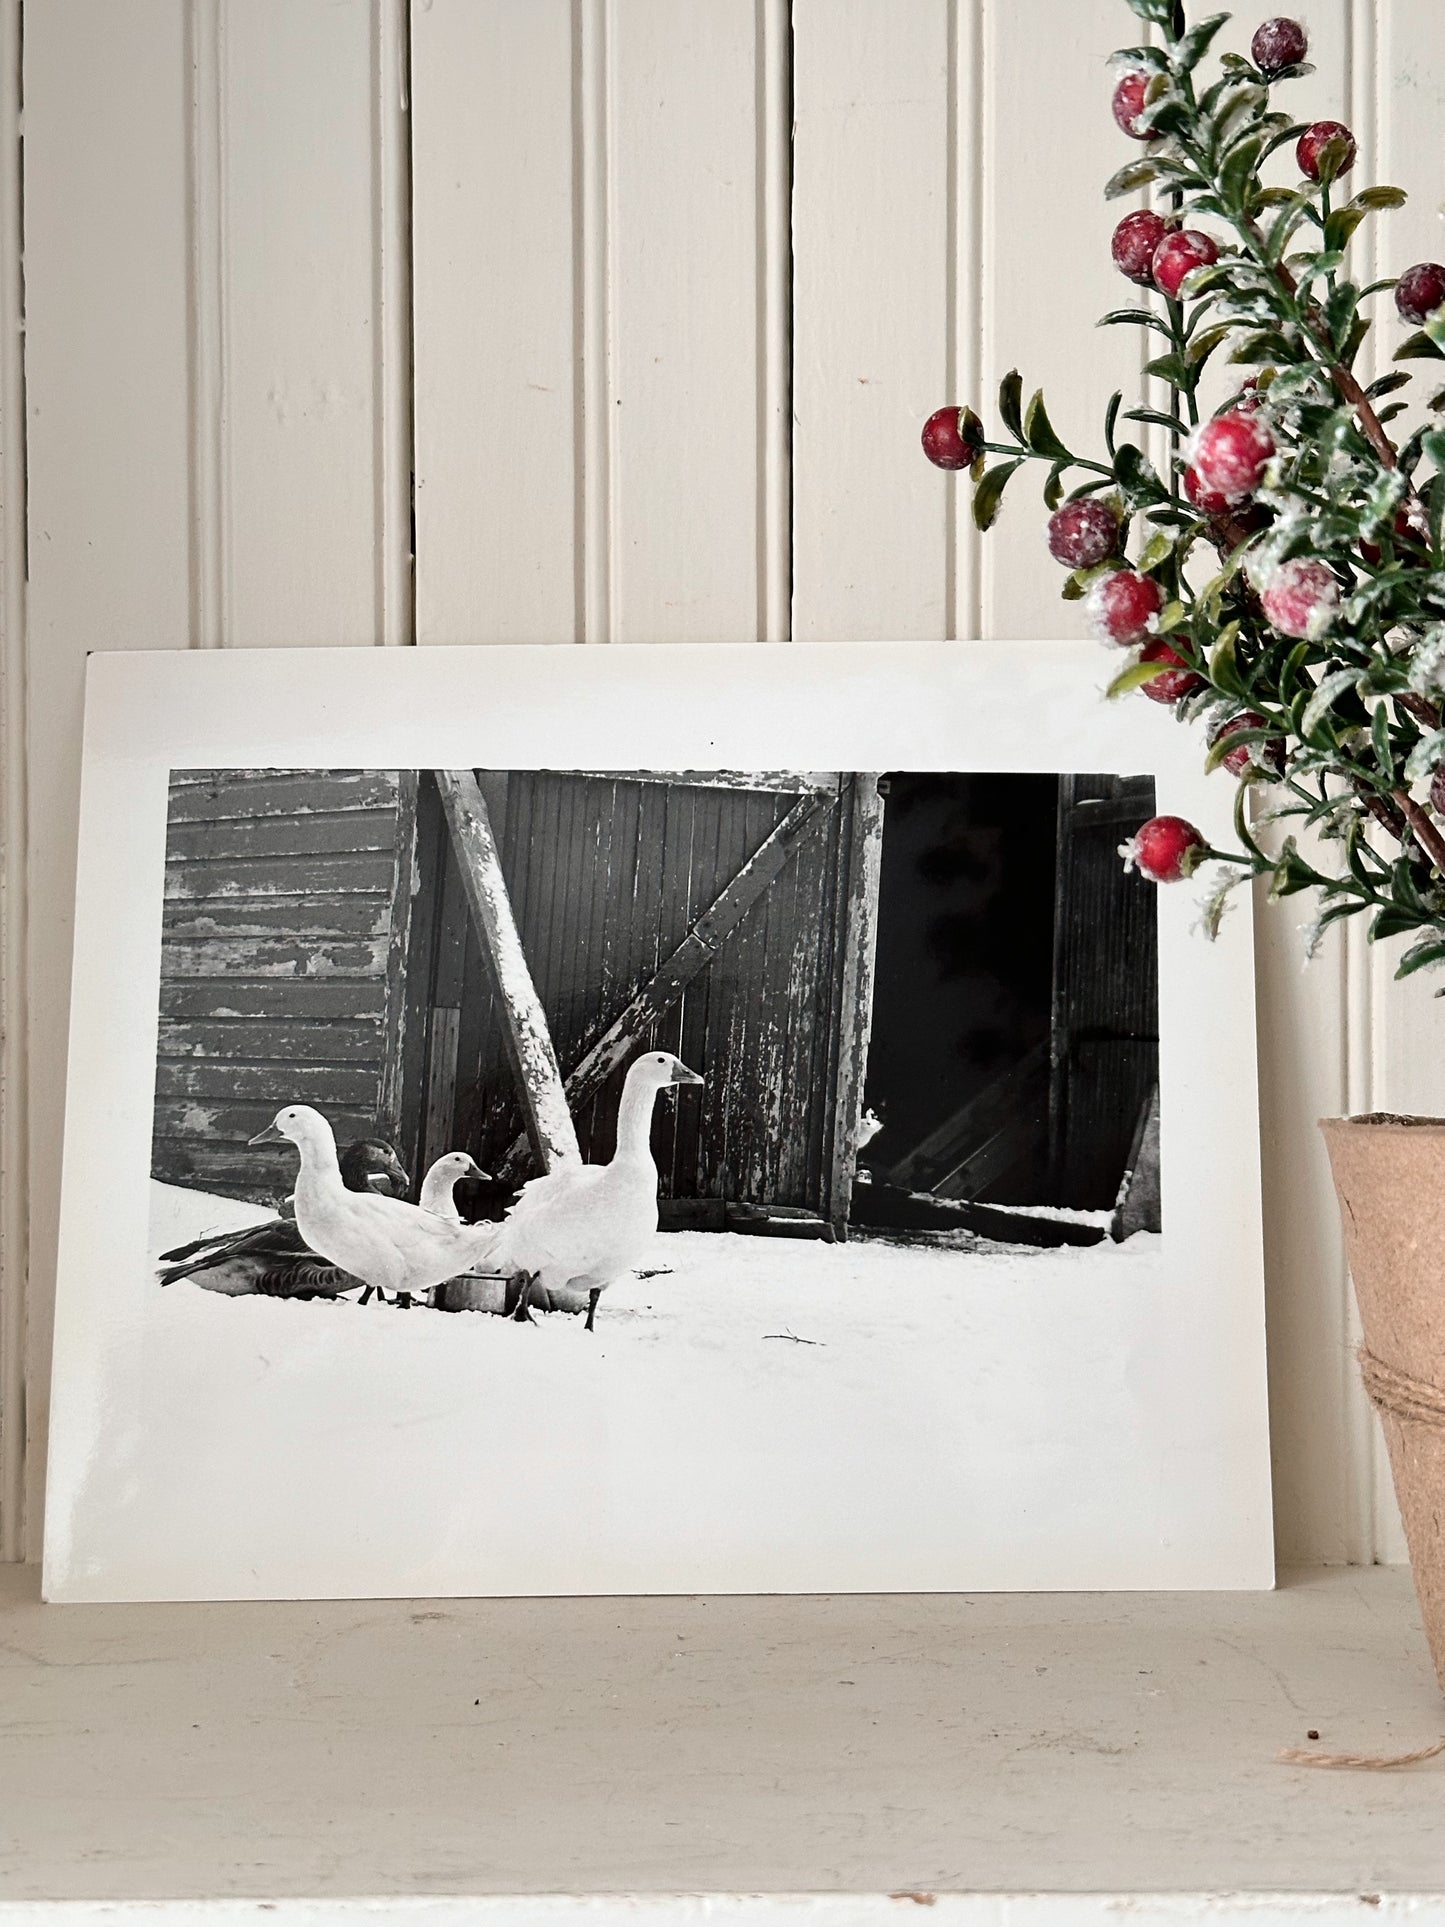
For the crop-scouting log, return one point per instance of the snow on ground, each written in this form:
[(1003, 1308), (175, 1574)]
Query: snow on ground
[(766, 1414)]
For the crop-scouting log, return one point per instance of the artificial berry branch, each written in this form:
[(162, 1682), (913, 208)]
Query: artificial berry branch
[(1279, 576)]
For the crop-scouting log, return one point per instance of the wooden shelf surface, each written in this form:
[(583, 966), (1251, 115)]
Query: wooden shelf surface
[(1067, 1745)]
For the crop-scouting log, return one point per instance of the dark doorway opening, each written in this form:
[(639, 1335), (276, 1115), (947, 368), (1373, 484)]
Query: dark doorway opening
[(1014, 1051)]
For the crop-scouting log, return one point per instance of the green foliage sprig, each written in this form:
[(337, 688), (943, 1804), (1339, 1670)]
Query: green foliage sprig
[(1339, 714)]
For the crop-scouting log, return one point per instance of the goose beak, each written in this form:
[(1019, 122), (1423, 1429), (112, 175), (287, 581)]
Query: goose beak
[(475, 1170), (269, 1136), (682, 1075)]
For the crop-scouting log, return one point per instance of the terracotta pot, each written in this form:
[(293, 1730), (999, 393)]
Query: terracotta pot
[(1389, 1173)]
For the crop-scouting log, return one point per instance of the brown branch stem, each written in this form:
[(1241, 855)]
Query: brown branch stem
[(1425, 832)]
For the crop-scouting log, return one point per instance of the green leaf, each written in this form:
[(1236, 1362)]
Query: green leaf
[(1320, 703), (1134, 174), (1204, 344), (1195, 44), (1170, 368), (1039, 431), (1111, 416), (1156, 420), (1156, 550), (1159, 13), (1418, 347), (1137, 317), (1172, 616), (988, 495), (1376, 198), (1010, 402), (1223, 667), (1054, 487), (1419, 955), (1134, 677), (1387, 384), (1134, 473), (1392, 922), (1380, 742), (1334, 155)]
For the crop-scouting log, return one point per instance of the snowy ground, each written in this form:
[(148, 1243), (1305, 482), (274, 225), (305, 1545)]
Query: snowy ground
[(769, 1414)]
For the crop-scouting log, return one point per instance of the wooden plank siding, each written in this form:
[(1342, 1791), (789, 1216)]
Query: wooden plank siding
[(607, 876), (286, 923)]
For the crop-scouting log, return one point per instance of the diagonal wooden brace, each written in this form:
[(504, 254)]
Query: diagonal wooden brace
[(692, 956)]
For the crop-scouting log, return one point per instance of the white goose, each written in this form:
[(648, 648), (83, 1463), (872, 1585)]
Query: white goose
[(439, 1184), (389, 1245), (585, 1225)]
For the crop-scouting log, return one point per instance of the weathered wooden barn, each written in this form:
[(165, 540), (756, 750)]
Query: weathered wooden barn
[(470, 959)]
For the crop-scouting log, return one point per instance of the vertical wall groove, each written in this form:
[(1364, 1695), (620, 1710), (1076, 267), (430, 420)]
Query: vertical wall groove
[(13, 696), (206, 248), (393, 368), (775, 279), (594, 218), (965, 344)]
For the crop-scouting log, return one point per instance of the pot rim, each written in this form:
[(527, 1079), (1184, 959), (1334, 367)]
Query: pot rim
[(1387, 1121)]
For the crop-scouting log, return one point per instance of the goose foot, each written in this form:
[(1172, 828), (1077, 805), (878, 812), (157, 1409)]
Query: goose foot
[(520, 1307), (402, 1301), (592, 1298), (367, 1295)]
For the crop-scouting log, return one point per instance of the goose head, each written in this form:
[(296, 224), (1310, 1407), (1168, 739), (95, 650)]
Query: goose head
[(658, 1070), (370, 1164), (298, 1124), (456, 1164)]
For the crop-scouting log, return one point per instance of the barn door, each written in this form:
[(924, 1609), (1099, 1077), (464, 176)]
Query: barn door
[(723, 917), (1104, 1043)]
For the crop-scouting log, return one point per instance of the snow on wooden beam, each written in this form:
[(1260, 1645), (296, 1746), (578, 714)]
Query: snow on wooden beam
[(528, 1040)]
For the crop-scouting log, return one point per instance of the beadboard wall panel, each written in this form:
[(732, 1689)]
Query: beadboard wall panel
[(659, 297), (217, 380)]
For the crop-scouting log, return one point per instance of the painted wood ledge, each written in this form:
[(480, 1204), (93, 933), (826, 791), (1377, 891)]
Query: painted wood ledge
[(931, 1746)]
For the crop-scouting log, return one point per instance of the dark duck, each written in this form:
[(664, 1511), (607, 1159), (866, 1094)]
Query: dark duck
[(273, 1259)]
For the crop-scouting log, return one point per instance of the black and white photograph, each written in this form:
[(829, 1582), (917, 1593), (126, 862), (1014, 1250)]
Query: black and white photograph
[(845, 1008), (566, 1177)]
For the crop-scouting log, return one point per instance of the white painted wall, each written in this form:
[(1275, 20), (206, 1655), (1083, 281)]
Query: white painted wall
[(662, 371)]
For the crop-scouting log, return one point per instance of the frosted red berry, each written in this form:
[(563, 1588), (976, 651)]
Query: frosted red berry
[(1247, 756), (1123, 607), (1129, 103), (1277, 44), (1134, 242), (1420, 291), (1209, 501), (953, 437), (1315, 139), (1083, 534), (1178, 255), (1300, 598), (1166, 849), (1173, 684), (1230, 453)]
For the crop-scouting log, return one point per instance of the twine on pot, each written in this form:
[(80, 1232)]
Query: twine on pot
[(1396, 1392)]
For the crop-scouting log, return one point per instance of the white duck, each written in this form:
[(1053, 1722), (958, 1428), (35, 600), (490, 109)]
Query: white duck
[(584, 1225), (389, 1245), (439, 1184)]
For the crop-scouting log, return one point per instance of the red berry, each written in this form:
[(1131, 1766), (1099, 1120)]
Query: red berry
[(1301, 597), (1420, 291), (1173, 684), (1208, 501), (1129, 103), (1277, 44), (1134, 242), (1165, 849), (1247, 756), (1083, 534), (1314, 138), (1230, 453), (1122, 607), (953, 437), (1178, 255), (1437, 790), (1411, 526)]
